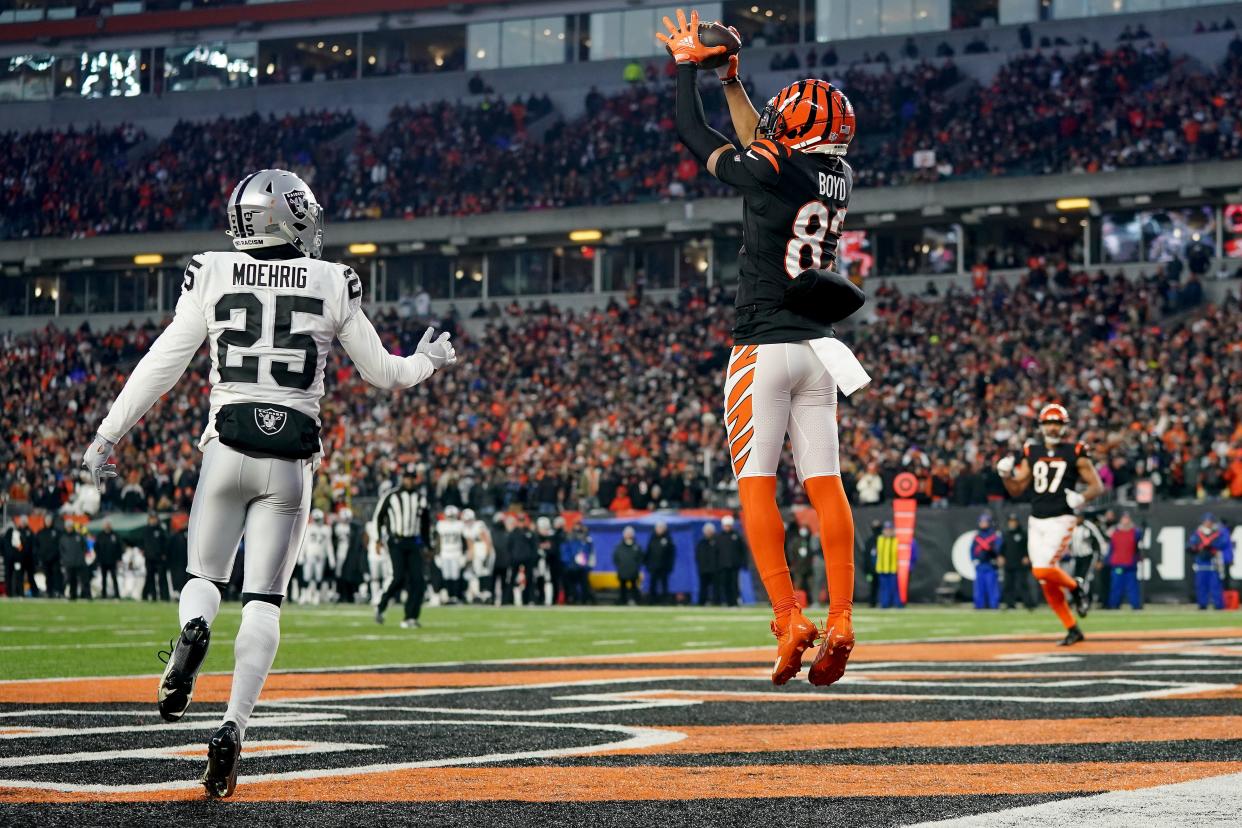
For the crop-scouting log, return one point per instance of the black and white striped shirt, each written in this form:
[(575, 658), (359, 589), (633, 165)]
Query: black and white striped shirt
[(402, 514)]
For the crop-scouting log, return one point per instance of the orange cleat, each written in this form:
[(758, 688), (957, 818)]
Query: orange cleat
[(798, 635), (829, 663)]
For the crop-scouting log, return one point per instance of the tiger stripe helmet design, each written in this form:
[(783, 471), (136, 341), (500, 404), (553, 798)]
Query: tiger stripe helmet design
[(1053, 413), (810, 116)]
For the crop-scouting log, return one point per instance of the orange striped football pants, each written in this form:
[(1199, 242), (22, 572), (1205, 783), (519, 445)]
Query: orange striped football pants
[(772, 391)]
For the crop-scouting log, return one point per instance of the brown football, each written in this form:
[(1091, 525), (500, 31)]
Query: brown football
[(716, 34)]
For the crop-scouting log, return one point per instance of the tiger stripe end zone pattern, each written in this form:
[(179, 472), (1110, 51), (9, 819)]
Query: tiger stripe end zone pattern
[(1137, 728)]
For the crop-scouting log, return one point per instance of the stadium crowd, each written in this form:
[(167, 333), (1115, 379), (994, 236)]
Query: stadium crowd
[(556, 410), (1044, 112)]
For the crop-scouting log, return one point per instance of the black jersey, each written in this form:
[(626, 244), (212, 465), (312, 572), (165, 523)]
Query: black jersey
[(1053, 472), (794, 204)]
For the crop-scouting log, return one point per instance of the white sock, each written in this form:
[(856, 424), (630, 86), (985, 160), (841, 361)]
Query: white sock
[(199, 599), (253, 653)]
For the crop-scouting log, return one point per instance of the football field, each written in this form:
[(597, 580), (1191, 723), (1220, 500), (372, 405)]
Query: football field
[(631, 716)]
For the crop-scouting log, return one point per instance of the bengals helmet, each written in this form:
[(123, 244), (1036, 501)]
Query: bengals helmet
[(1053, 413), (810, 116)]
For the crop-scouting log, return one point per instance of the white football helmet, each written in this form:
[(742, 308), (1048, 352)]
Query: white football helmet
[(467, 515), (317, 515), (275, 207), (450, 512)]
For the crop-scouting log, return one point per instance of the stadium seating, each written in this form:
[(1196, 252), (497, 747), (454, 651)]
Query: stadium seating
[(618, 408), (1095, 110)]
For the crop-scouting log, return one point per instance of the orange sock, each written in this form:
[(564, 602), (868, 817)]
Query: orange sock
[(1054, 582), (765, 532), (836, 535)]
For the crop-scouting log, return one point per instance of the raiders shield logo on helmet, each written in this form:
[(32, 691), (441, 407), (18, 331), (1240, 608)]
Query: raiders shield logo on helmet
[(297, 203), (269, 420)]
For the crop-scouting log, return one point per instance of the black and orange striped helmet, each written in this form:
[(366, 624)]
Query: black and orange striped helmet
[(1053, 413), (810, 116)]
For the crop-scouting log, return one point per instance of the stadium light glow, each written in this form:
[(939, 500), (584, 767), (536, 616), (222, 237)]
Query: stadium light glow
[(363, 249), (586, 235), (148, 259), (1073, 203)]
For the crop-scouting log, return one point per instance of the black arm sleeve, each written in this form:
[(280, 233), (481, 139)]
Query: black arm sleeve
[(692, 126)]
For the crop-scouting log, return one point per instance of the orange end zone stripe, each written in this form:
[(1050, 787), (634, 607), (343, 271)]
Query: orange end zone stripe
[(215, 688), (651, 783)]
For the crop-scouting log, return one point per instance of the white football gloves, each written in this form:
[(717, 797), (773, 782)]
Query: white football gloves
[(439, 351), (96, 462), (1074, 499), (1004, 466)]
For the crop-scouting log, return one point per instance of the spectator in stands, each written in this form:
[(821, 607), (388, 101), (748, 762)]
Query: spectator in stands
[(707, 560), (628, 560), (660, 558), (868, 564)]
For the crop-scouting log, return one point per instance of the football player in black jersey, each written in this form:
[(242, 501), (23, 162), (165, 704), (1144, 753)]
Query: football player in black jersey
[(785, 368), (1053, 467)]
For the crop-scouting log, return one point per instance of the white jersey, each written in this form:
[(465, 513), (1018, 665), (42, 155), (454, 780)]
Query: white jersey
[(449, 535), (269, 326), (475, 535), (318, 541)]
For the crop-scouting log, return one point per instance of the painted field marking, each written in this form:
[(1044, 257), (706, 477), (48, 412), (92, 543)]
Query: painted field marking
[(635, 738), (188, 752)]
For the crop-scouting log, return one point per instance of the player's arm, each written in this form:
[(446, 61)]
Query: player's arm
[(741, 110), (156, 373), (363, 345), (1014, 477), (1087, 472), (682, 40)]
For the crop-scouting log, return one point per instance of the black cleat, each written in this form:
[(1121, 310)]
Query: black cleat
[(1072, 637), (1082, 599), (184, 659), (223, 757)]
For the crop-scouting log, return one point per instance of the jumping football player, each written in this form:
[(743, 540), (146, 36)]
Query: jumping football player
[(1053, 467), (796, 186), (269, 313)]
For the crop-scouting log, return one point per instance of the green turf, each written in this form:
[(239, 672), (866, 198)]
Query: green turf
[(44, 639)]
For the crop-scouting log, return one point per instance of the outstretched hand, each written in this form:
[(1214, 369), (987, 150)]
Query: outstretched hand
[(683, 39)]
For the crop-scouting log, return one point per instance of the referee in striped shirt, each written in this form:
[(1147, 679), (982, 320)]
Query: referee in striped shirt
[(403, 521)]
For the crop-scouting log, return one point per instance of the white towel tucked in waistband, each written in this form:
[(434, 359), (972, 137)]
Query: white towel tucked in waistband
[(841, 363)]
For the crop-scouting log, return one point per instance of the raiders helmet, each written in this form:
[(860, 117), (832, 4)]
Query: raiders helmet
[(274, 207)]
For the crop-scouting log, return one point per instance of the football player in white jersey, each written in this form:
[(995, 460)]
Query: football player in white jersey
[(451, 556), (481, 556), (269, 312), (318, 559)]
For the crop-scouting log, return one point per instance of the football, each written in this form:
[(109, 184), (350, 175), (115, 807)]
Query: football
[(717, 34)]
